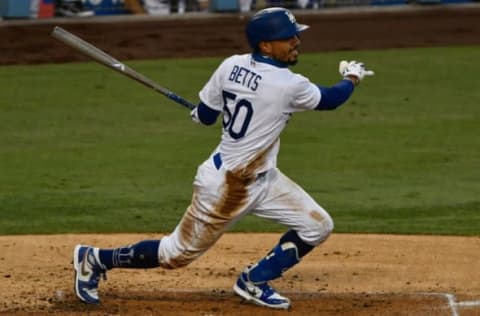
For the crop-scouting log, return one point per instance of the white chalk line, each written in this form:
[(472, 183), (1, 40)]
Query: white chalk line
[(453, 304), (452, 300), (468, 303)]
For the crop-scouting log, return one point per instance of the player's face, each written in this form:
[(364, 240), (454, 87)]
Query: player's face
[(283, 50)]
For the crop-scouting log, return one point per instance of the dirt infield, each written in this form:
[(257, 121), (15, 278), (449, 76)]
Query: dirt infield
[(348, 275)]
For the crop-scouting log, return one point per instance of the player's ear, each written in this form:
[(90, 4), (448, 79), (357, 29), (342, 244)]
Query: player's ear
[(265, 47)]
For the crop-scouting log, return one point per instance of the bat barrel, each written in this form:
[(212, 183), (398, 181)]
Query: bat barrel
[(105, 59), (83, 47)]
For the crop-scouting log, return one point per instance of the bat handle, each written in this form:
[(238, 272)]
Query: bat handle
[(180, 100)]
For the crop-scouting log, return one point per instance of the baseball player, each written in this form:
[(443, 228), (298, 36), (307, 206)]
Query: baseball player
[(255, 94)]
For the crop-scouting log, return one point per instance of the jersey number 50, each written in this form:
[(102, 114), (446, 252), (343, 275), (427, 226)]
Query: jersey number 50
[(236, 123)]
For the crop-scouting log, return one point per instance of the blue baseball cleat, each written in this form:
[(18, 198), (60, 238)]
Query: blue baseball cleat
[(261, 294), (87, 274)]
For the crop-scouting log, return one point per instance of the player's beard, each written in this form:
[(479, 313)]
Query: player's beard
[(294, 59), (292, 62)]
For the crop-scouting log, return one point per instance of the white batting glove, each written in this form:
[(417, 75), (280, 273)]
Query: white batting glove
[(357, 70), (194, 115)]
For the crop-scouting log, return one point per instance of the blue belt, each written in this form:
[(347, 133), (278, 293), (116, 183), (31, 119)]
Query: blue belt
[(217, 161)]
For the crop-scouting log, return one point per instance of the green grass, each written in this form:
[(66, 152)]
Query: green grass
[(83, 149)]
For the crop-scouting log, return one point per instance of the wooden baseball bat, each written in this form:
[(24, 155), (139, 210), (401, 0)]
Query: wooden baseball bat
[(105, 59)]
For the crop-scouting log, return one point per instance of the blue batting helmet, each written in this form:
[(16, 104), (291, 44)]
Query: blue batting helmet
[(272, 24)]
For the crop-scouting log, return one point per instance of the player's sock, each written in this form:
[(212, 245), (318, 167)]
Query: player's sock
[(284, 256), (292, 236), (141, 255)]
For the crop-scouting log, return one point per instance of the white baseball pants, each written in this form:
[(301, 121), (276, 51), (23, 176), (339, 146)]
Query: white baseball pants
[(220, 199)]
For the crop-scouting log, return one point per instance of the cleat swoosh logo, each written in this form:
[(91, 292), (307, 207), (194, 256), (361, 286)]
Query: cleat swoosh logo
[(253, 291), (83, 271)]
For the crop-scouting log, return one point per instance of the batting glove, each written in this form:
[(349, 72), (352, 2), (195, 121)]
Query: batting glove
[(194, 115), (354, 70)]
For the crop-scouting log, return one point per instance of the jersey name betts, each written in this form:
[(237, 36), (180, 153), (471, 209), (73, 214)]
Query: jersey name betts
[(256, 99)]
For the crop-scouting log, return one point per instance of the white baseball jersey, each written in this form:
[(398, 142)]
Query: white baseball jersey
[(257, 100)]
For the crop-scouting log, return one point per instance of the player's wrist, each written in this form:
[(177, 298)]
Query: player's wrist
[(353, 79)]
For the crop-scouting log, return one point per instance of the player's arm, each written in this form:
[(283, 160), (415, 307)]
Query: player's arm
[(204, 114), (334, 96), (211, 98)]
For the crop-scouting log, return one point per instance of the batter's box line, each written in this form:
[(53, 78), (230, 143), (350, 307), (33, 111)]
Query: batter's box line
[(453, 304), (451, 299)]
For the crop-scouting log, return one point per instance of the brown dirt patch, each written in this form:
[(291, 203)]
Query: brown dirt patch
[(348, 275), (221, 35)]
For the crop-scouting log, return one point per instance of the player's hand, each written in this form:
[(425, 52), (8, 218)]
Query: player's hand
[(194, 115), (354, 70)]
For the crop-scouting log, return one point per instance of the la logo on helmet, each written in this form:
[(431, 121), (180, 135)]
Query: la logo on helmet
[(290, 17)]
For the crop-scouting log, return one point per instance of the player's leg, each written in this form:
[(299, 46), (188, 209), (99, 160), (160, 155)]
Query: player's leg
[(215, 206), (310, 225), (220, 199), (177, 251), (90, 263)]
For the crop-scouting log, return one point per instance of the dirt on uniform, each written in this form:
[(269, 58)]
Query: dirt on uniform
[(348, 275)]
